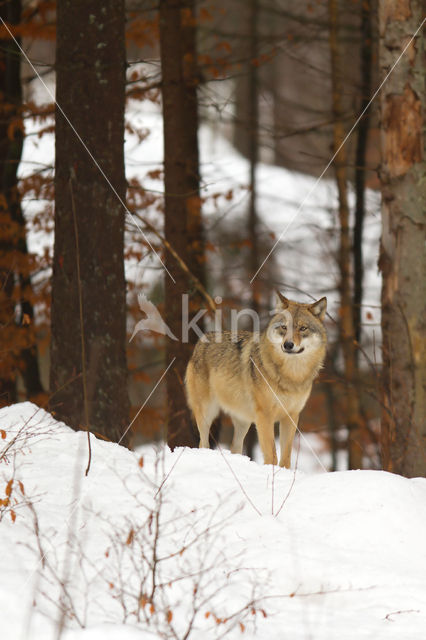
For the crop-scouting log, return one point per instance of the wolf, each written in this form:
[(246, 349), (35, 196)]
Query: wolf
[(261, 377)]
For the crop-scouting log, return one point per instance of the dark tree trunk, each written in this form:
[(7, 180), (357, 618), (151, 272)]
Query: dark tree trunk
[(353, 413), (253, 158), (360, 164), (332, 403), (253, 155), (183, 223), (402, 257), (90, 65), (19, 350)]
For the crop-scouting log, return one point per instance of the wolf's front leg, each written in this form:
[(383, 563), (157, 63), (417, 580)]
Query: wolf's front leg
[(288, 426), (265, 432), (240, 431)]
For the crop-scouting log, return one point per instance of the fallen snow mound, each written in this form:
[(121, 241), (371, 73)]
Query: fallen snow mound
[(199, 544)]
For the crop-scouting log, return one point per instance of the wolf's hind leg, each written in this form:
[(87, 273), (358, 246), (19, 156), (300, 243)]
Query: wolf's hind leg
[(203, 406), (240, 431), (204, 416)]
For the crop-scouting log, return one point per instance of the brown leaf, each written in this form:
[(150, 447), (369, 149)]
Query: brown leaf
[(14, 126), (130, 537), (143, 600), (155, 174), (8, 490), (205, 15)]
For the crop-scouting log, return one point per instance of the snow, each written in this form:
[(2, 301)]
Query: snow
[(318, 556)]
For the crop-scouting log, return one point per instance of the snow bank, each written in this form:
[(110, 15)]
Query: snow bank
[(236, 549)]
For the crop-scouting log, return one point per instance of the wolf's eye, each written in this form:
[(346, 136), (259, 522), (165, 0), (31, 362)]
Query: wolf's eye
[(283, 327), (303, 328)]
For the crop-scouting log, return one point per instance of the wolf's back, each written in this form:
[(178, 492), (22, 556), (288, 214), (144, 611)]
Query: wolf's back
[(226, 351)]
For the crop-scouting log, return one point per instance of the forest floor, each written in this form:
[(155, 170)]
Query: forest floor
[(199, 544)]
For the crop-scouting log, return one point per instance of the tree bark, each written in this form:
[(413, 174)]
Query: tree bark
[(16, 314), (253, 152), (253, 158), (353, 414), (89, 313), (183, 222), (402, 259), (360, 164)]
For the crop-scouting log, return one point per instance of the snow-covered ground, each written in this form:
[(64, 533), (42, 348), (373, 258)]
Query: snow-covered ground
[(199, 544)]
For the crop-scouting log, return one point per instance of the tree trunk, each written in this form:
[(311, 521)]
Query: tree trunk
[(353, 414), (360, 165), (253, 155), (183, 223), (19, 350), (88, 360), (332, 403), (253, 158), (402, 258)]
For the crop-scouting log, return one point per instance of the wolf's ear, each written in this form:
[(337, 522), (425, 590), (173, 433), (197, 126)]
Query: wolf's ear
[(281, 302), (319, 308)]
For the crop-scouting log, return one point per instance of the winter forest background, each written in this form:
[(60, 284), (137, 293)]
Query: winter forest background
[(192, 146)]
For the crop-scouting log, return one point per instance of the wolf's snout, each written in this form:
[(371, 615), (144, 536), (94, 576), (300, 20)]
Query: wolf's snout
[(288, 345)]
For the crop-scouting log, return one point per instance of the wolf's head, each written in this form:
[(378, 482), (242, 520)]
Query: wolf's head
[(297, 329)]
